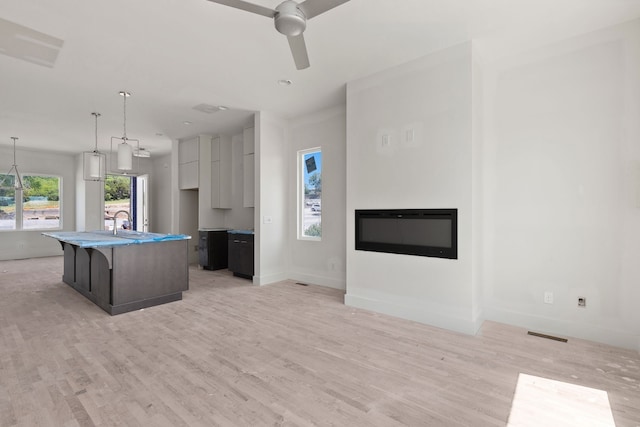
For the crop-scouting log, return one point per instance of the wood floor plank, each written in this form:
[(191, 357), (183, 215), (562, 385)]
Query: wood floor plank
[(231, 354)]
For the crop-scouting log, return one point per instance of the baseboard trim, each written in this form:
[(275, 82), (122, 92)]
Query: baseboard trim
[(312, 279), (415, 314), (269, 278), (565, 328)]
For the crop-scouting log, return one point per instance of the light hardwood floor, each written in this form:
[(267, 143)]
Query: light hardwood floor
[(284, 354)]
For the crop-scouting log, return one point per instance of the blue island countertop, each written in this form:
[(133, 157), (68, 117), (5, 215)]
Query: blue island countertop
[(103, 238)]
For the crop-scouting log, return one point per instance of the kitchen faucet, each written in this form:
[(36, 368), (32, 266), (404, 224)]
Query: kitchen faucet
[(115, 226)]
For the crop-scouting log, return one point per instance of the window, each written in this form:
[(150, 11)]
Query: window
[(38, 208), (310, 194), (7, 202)]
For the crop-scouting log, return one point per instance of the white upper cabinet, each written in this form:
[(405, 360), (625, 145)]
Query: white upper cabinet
[(248, 168), (248, 140), (188, 157), (221, 172)]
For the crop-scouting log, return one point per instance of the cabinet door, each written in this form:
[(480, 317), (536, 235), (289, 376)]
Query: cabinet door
[(215, 185), (246, 258), (248, 182), (188, 151), (221, 173), (234, 252), (241, 255), (248, 141), (188, 176), (203, 249), (215, 149), (225, 173)]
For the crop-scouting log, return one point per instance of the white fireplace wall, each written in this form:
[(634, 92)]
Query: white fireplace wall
[(409, 145)]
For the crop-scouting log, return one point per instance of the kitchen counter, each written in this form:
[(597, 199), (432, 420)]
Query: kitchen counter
[(100, 238), (127, 271), (240, 231)]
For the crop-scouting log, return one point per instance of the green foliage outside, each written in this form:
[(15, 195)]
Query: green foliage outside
[(41, 186), (117, 188), (314, 230)]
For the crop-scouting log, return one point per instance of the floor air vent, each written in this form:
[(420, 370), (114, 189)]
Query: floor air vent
[(301, 284), (550, 337)]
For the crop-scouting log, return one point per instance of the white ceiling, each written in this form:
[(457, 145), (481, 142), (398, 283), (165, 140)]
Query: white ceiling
[(176, 54)]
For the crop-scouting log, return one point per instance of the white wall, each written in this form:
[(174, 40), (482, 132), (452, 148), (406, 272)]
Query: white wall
[(562, 171), (28, 244), (432, 96), (477, 189), (319, 262), (271, 196)]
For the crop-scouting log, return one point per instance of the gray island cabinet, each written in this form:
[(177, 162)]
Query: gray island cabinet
[(127, 272)]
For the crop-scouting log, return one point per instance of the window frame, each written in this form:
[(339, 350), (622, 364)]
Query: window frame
[(300, 199)]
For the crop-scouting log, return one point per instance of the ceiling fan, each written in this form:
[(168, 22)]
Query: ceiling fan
[(290, 19)]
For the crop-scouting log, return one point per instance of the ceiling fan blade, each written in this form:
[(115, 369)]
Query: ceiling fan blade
[(299, 51), (249, 7), (312, 8)]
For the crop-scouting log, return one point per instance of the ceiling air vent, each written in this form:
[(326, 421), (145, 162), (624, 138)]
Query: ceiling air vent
[(209, 109)]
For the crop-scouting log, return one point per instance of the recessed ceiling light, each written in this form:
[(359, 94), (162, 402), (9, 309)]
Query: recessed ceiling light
[(159, 134), (284, 82), (222, 108), (187, 122)]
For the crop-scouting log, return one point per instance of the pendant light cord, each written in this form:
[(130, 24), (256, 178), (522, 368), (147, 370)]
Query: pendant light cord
[(96, 115), (125, 95)]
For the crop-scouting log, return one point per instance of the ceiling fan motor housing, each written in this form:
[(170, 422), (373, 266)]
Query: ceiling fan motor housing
[(289, 19)]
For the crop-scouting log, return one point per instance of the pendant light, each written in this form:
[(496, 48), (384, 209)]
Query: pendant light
[(94, 161), (18, 180), (124, 150)]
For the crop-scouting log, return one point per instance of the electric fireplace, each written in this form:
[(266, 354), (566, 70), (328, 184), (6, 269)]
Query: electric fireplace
[(421, 232)]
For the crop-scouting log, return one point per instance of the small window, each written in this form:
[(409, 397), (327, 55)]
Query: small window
[(41, 202), (310, 194), (36, 207)]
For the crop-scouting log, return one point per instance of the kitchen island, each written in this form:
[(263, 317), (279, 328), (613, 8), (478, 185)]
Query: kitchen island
[(127, 271)]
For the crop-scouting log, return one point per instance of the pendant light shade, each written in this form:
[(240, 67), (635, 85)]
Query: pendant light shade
[(94, 166), (124, 147), (94, 162), (125, 156)]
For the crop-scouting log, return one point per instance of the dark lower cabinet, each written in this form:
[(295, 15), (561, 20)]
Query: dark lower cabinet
[(241, 255), (124, 278), (212, 249)]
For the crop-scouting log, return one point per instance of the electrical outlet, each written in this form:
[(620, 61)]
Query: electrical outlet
[(548, 297), (582, 302)]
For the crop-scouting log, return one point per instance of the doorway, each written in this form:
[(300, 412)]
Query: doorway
[(131, 195)]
